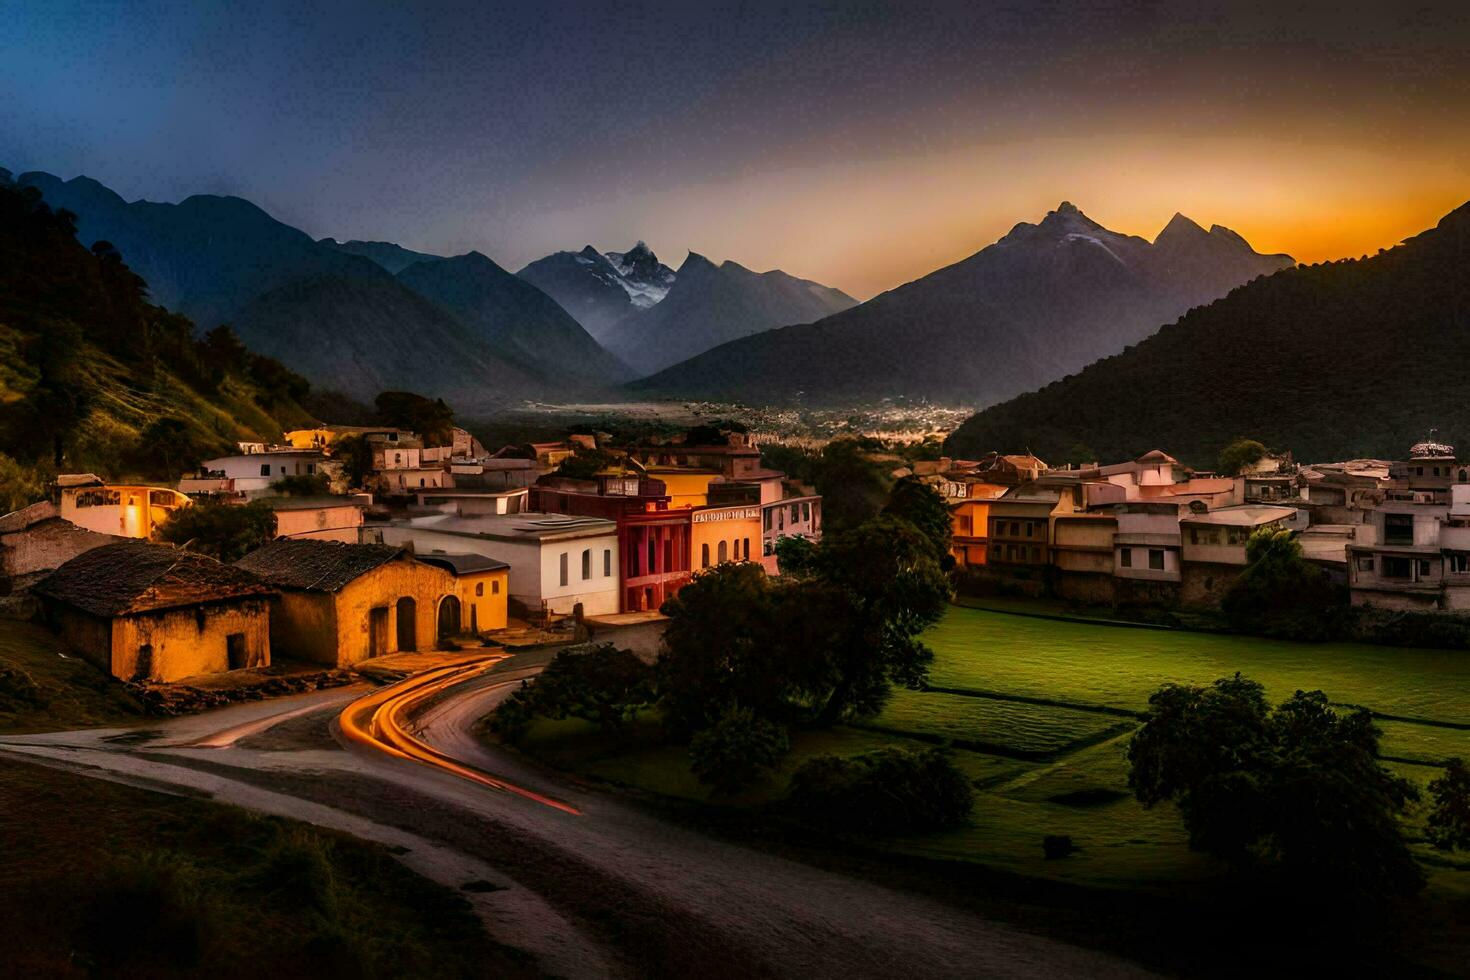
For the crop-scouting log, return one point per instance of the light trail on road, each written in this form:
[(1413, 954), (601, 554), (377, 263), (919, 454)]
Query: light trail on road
[(379, 722)]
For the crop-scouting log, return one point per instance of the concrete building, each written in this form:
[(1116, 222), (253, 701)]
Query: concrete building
[(340, 604), (1214, 542), (250, 475), (1020, 529), (473, 501), (721, 534), (1147, 554), (125, 509), (320, 518), (1082, 551), (556, 561), (1416, 556), (35, 540), (147, 612), (796, 517), (484, 591)]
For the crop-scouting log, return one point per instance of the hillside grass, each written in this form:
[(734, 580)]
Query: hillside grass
[(46, 687), (98, 879)]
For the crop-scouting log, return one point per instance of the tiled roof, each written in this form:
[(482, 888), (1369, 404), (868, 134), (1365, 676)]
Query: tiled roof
[(315, 566), (461, 564), (134, 576)]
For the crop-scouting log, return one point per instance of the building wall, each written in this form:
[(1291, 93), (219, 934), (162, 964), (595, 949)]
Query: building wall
[(44, 546), (186, 642), (685, 489), (1139, 568), (1205, 583), (484, 598), (737, 528), (88, 635), (598, 593), (1083, 586), (321, 524), (304, 626), (382, 588), (138, 510)]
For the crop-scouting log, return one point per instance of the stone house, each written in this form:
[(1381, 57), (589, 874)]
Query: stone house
[(35, 540), (150, 612), (343, 603), (484, 592)]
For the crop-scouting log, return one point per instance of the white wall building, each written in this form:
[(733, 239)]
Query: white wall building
[(555, 559)]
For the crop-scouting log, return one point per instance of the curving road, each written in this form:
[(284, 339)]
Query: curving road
[(590, 883)]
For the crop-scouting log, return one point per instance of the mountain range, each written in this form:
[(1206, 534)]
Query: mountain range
[(600, 289), (709, 305), (335, 312), (1040, 303), (1348, 359)]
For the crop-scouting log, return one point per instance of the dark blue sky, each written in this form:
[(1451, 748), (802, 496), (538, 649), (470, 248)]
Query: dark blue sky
[(858, 143)]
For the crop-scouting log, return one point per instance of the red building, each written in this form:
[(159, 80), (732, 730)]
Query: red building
[(653, 540)]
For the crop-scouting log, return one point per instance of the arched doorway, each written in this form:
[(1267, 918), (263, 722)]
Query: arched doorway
[(448, 617), (407, 624)]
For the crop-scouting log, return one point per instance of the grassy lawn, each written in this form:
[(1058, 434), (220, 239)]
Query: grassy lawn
[(98, 879), (46, 687)]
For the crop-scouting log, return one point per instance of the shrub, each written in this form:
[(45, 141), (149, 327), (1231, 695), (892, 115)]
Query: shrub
[(889, 791), (149, 910), (737, 751), (1449, 817), (600, 684), (303, 485), (221, 530), (1280, 593)]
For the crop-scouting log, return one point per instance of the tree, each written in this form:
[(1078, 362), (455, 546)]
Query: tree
[(221, 530), (852, 486), (303, 485), (923, 507), (737, 751), (1448, 825), (170, 446), (719, 651), (889, 588), (796, 556), (1280, 593), (356, 456), (1296, 792), (20, 486), (584, 464), (1240, 454), (600, 684), (429, 417)]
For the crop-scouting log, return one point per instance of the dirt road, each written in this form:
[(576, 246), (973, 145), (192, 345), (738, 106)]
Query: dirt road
[(597, 886)]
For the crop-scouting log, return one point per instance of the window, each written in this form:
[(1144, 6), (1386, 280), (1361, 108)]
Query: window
[(765, 520), (606, 562), (964, 525), (479, 589), (1193, 536), (724, 553), (563, 568), (795, 513), (265, 469), (1365, 563), (310, 468), (1398, 528), (586, 564), (704, 555), (1397, 567), (1423, 567), (781, 519), (747, 549), (1156, 559), (283, 471), (806, 509), (1125, 557), (652, 554), (1418, 471), (1029, 528), (1460, 562), (768, 549)]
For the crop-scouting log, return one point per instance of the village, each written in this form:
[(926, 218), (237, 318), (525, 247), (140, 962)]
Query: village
[(432, 546), (437, 546)]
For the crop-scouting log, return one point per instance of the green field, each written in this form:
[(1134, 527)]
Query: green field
[(1083, 664)]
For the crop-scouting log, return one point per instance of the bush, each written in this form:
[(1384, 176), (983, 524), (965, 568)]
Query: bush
[(737, 751), (1448, 826), (1282, 594), (890, 791), (225, 531), (303, 485), (600, 684)]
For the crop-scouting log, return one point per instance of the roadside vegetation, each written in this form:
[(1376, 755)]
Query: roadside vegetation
[(108, 880), (45, 687)]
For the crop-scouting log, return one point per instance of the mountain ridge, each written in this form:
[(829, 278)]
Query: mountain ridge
[(1044, 300)]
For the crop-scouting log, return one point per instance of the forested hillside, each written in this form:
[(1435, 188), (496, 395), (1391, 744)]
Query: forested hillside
[(1345, 359), (94, 377)]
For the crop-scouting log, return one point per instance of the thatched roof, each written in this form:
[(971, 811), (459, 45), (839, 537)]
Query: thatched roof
[(132, 577), (315, 566)]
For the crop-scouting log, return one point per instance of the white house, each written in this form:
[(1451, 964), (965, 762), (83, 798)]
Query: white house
[(251, 474), (556, 560)]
